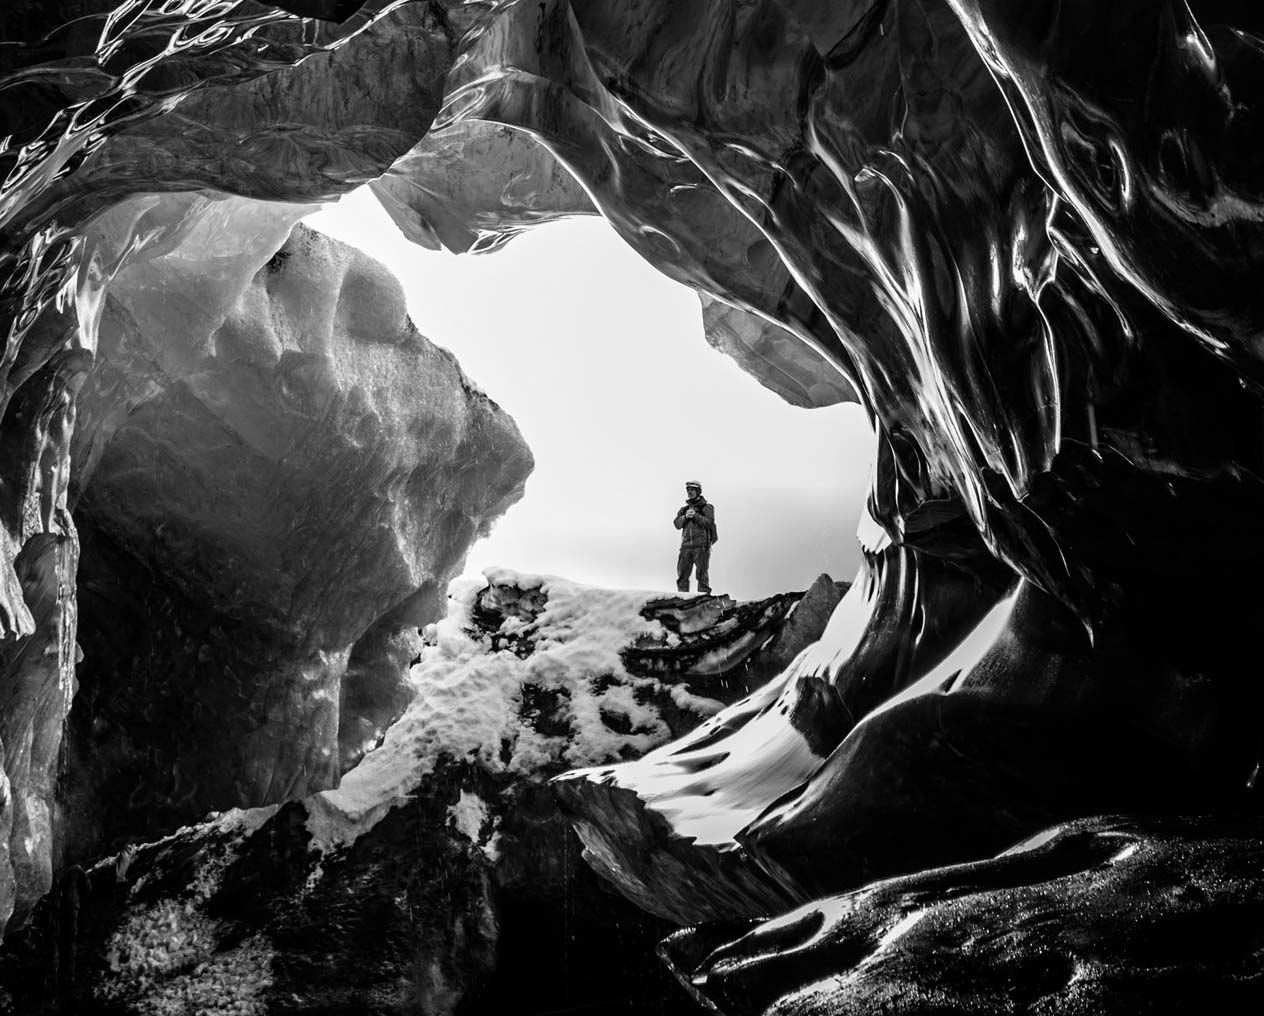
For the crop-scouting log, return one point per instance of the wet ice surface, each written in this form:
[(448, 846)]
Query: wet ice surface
[(1026, 235), (1101, 915)]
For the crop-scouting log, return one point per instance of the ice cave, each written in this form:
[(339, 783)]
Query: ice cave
[(264, 749)]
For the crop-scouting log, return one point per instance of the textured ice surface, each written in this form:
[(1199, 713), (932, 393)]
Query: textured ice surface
[(1026, 235), (276, 476), (1052, 925)]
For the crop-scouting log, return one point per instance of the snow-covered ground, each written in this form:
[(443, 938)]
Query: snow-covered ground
[(469, 697)]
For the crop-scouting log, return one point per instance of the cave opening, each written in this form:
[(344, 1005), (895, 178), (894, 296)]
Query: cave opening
[(602, 362), (241, 772), (214, 471)]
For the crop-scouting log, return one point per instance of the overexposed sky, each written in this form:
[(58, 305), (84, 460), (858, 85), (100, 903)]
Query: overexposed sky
[(602, 362)]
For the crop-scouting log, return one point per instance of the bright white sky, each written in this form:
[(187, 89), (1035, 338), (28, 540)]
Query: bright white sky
[(602, 362)]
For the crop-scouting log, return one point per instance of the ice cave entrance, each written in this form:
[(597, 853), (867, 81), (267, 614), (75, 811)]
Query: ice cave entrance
[(602, 362)]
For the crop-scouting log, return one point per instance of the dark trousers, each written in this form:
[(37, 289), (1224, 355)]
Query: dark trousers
[(689, 558)]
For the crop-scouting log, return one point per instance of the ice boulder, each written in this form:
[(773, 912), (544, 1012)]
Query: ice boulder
[(276, 477)]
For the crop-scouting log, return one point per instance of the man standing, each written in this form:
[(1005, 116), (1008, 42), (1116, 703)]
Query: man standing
[(696, 522)]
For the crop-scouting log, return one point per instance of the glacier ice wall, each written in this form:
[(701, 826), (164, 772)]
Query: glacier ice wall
[(126, 128), (1028, 256), (275, 477), (1023, 236)]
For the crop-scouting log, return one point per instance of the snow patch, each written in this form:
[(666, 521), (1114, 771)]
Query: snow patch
[(469, 698), (700, 704), (243, 821), (469, 815)]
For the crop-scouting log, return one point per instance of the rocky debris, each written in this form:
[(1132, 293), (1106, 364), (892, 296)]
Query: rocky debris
[(1114, 915), (278, 475), (729, 649), (440, 877), (425, 913), (708, 638)]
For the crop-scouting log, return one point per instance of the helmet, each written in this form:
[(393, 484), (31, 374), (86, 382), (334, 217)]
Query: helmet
[(695, 485)]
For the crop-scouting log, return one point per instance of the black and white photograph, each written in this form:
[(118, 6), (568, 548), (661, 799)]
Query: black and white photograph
[(631, 507)]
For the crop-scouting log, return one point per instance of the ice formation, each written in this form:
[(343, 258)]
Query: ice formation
[(407, 880), (1024, 236), (258, 397)]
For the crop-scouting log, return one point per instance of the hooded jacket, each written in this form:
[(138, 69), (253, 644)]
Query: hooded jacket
[(700, 530)]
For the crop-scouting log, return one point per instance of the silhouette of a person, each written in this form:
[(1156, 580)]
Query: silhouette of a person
[(696, 522)]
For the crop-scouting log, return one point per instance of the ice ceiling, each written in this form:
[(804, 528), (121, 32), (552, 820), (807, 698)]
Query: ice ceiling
[(1026, 236)]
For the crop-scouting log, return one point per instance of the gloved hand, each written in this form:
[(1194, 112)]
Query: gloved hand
[(690, 513)]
